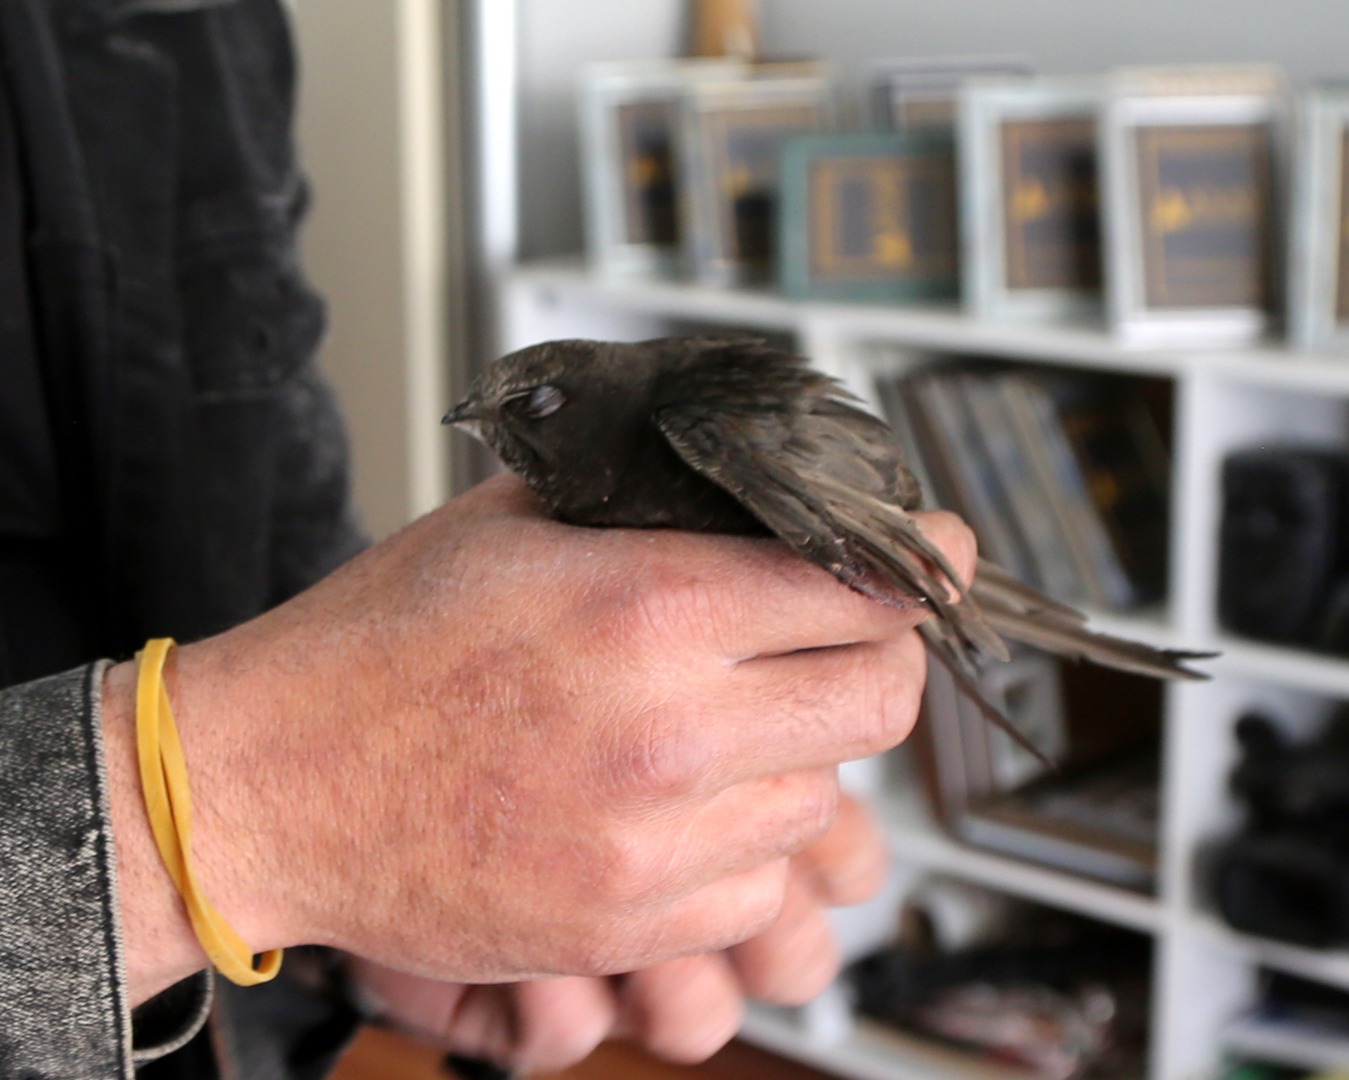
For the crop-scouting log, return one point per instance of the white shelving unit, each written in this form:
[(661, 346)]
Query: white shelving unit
[(1204, 973)]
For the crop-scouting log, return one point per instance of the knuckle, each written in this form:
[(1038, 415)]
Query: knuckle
[(629, 871), (956, 539), (681, 601), (817, 807), (661, 757)]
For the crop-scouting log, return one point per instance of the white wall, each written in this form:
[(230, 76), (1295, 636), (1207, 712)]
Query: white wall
[(1310, 38), (372, 124), (556, 38)]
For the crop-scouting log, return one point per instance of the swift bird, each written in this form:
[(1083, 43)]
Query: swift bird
[(730, 435)]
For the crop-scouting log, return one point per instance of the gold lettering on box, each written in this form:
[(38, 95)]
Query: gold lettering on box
[(1051, 226), (880, 218), (1205, 208)]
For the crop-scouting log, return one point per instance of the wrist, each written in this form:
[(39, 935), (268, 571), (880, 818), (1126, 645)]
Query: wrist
[(158, 943), (235, 826)]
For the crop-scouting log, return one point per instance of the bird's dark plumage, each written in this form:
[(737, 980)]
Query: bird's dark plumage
[(729, 435)]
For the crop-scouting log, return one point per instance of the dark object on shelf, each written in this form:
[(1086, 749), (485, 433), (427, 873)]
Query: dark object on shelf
[(1284, 550), (1286, 876), (869, 216), (1062, 1000), (1296, 1025)]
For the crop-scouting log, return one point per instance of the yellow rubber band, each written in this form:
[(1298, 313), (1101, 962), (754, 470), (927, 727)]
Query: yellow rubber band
[(164, 783)]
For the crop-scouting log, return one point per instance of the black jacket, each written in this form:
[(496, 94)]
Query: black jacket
[(171, 463)]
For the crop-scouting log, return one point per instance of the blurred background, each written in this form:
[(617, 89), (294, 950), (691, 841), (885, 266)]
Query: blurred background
[(1174, 904), (442, 140)]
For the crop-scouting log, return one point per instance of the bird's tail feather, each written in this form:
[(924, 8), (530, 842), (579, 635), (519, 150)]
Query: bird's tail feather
[(966, 682), (1019, 612)]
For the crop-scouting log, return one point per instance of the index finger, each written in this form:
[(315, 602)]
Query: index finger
[(771, 600)]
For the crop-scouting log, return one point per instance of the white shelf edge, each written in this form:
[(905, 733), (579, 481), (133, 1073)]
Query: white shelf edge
[(862, 1052), (917, 841), (943, 327), (1297, 668), (1150, 624), (1328, 966)]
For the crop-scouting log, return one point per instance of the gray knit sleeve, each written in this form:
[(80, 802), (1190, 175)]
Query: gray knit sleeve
[(63, 1006)]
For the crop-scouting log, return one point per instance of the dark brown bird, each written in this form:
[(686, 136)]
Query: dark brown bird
[(729, 435)]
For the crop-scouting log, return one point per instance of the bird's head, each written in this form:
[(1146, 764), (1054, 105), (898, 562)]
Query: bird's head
[(536, 404)]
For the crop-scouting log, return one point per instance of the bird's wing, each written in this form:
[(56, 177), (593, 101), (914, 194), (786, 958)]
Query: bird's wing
[(825, 477)]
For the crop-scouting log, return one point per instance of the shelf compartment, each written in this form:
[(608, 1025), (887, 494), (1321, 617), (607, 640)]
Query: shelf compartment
[(919, 842)]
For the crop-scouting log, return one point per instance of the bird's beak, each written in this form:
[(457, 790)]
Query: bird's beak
[(470, 416), (463, 413)]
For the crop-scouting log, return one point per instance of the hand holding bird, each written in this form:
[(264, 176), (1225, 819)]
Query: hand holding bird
[(730, 435)]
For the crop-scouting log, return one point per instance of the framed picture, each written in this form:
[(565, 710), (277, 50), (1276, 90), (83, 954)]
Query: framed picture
[(1318, 271), (869, 216), (1029, 205), (1191, 189), (629, 123), (921, 95), (730, 156)]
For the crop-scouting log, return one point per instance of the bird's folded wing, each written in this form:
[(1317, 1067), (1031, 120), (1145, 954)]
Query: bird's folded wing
[(817, 479)]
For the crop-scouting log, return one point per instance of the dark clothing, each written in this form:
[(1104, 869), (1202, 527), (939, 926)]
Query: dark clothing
[(171, 463)]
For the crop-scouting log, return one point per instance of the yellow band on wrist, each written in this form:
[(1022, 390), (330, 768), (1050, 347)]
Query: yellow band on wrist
[(169, 806)]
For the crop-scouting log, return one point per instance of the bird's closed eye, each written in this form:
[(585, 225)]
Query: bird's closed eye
[(539, 402)]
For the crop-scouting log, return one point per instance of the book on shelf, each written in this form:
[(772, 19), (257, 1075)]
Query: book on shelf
[(1063, 478), (967, 483), (1031, 504), (1097, 574), (897, 410), (1126, 468)]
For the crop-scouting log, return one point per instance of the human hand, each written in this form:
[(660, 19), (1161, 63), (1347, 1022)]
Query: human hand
[(496, 747), (682, 1010)]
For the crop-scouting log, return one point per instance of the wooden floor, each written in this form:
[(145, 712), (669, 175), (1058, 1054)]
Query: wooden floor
[(382, 1055)]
